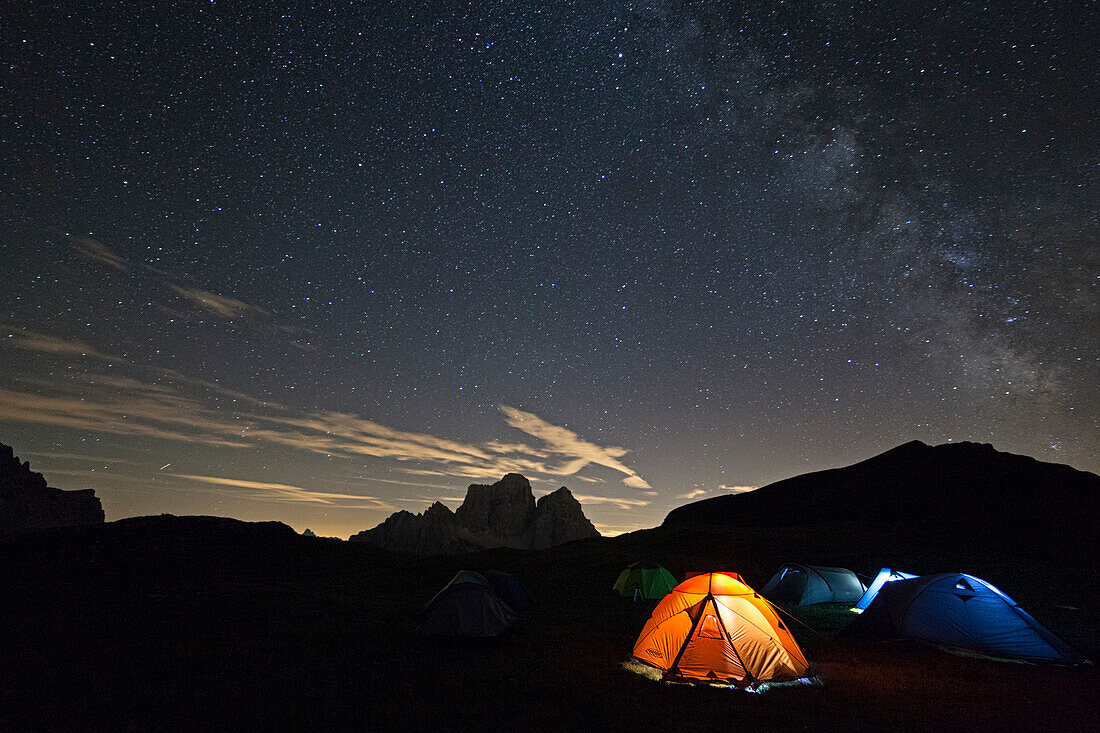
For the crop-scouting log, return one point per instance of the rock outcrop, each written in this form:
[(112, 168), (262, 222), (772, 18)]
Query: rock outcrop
[(27, 503), (503, 514), (434, 532), (559, 518), (499, 514)]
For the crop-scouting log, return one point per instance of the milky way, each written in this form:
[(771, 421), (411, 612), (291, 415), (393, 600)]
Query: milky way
[(329, 262)]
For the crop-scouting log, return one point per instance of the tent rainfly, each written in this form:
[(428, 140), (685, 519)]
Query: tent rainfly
[(644, 579), (808, 584), (715, 628), (886, 575), (510, 591), (959, 611), (467, 606)]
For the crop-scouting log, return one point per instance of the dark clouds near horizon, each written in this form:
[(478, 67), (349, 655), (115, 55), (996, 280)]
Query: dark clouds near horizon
[(741, 240)]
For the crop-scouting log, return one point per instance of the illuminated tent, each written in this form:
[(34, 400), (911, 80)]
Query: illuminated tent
[(467, 606), (713, 627), (809, 584), (645, 579), (960, 611), (886, 575)]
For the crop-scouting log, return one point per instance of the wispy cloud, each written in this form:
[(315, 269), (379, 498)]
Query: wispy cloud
[(576, 451), (738, 489), (44, 343), (614, 500), (140, 416), (98, 252), (497, 446), (164, 404), (78, 457), (614, 530), (693, 494), (166, 409), (220, 305), (289, 492)]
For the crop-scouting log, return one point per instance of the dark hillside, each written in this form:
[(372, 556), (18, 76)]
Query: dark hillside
[(178, 623), (944, 491)]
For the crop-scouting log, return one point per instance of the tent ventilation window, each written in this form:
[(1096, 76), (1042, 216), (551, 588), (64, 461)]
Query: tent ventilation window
[(709, 628), (963, 585)]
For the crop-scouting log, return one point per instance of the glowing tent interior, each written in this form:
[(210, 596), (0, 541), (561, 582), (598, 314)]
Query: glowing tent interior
[(713, 627), (644, 579)]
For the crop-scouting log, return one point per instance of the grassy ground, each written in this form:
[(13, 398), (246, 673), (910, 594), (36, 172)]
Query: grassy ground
[(138, 631)]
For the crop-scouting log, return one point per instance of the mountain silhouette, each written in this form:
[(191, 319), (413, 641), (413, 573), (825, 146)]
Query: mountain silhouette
[(504, 514), (970, 488)]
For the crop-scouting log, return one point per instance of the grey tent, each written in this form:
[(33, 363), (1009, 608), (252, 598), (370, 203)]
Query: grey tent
[(467, 606), (959, 611), (809, 584)]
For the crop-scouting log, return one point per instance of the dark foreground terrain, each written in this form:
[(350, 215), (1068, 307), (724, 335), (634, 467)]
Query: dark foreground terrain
[(193, 622)]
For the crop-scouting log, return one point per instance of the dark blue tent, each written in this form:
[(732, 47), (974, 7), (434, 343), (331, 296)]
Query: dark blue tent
[(509, 590), (959, 611), (467, 606)]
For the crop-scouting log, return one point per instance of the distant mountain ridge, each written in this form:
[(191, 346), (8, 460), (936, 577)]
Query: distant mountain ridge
[(27, 503), (504, 514), (969, 487)]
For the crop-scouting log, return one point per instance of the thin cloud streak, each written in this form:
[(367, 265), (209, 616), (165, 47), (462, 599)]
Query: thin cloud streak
[(46, 344), (289, 492), (140, 417), (738, 489), (98, 252), (694, 494), (220, 305), (78, 458), (620, 503), (577, 452), (125, 406)]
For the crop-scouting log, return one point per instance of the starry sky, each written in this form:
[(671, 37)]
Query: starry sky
[(318, 262)]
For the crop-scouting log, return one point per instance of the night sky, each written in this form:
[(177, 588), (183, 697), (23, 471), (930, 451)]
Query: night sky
[(320, 262)]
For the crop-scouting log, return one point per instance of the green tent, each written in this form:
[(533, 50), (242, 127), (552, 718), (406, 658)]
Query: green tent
[(645, 579)]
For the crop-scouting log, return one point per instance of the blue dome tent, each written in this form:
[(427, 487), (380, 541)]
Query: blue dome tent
[(959, 611), (886, 575)]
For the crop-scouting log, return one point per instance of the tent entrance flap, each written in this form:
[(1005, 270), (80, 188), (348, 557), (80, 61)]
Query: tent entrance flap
[(709, 652)]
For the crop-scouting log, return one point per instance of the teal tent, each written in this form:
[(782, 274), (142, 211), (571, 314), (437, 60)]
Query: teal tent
[(808, 584)]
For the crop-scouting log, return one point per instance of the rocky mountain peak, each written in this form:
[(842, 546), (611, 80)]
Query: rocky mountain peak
[(500, 511), (503, 514)]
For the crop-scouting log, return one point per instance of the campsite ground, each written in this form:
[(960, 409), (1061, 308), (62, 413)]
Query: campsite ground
[(174, 624)]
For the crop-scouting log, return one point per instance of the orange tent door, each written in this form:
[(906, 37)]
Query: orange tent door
[(708, 653)]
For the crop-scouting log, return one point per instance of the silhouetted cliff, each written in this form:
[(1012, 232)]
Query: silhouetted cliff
[(27, 503)]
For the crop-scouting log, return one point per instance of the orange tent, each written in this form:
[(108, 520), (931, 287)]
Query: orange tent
[(714, 627)]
